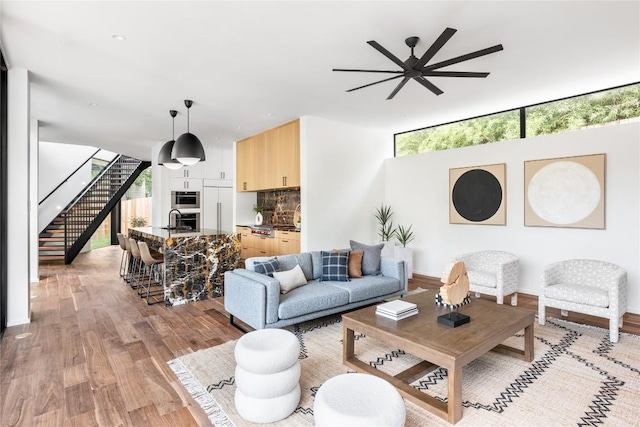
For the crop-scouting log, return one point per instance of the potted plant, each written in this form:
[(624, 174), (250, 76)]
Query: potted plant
[(385, 229), (258, 209), (405, 236)]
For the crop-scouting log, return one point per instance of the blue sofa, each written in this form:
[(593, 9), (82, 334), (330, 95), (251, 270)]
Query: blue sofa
[(255, 298)]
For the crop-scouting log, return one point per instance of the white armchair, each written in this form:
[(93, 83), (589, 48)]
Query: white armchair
[(494, 273), (585, 286)]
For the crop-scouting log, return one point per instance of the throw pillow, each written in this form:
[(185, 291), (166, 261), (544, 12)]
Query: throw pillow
[(371, 257), (267, 267), (290, 279), (355, 263), (334, 266)]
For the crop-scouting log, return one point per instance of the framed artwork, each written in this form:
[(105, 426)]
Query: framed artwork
[(477, 195), (565, 192)]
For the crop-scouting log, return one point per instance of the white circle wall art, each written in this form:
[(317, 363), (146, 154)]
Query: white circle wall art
[(564, 192)]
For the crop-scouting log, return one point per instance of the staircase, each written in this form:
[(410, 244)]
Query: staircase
[(63, 239)]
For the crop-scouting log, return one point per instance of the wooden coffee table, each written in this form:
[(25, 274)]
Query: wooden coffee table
[(438, 345)]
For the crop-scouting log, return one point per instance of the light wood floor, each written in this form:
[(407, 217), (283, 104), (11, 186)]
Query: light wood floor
[(95, 353)]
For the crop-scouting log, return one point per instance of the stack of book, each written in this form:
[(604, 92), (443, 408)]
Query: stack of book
[(397, 309)]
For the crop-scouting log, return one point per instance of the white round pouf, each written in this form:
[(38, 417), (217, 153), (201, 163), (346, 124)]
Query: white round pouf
[(267, 351), (267, 375), (358, 400), (268, 385), (267, 410)]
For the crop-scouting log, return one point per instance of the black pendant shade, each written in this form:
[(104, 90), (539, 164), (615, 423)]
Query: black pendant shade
[(188, 149), (164, 158)]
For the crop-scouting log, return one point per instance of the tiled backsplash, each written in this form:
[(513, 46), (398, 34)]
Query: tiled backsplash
[(279, 206)]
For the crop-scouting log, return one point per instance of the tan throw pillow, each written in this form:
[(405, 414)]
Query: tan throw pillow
[(355, 263), (290, 279)]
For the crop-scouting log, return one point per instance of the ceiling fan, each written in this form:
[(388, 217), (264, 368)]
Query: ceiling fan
[(417, 69)]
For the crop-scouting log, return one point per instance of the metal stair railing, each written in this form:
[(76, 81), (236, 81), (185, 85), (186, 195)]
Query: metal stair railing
[(88, 210)]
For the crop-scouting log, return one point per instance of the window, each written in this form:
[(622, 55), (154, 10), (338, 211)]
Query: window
[(612, 106)]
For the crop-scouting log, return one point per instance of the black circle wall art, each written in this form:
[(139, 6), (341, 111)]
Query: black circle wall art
[(477, 195)]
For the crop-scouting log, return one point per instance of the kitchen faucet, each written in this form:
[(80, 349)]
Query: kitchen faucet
[(170, 212)]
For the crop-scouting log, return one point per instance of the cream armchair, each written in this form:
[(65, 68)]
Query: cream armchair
[(585, 286), (494, 273)]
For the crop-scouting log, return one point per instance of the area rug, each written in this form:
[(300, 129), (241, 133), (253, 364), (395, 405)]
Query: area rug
[(577, 378)]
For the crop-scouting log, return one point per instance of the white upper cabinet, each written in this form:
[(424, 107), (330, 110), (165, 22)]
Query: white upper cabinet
[(217, 170), (187, 178), (193, 171)]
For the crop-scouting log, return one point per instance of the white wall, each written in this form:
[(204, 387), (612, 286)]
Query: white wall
[(34, 270), (18, 301), (417, 188), (342, 182)]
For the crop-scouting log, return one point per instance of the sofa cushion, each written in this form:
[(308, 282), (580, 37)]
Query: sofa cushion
[(368, 287), (287, 262), (267, 267), (335, 266), (371, 257), (316, 260), (290, 279), (310, 298), (482, 278), (580, 294)]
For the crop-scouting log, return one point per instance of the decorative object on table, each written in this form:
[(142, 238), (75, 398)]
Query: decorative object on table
[(164, 157), (417, 69), (588, 286), (492, 272), (477, 195), (188, 149), (565, 192), (403, 253), (397, 309), (454, 294), (258, 209), (267, 375), (297, 217)]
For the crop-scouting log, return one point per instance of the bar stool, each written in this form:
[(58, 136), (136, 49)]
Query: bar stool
[(151, 262), (136, 264), (124, 259)]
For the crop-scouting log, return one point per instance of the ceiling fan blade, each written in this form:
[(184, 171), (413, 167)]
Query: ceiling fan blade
[(426, 83), (435, 47), (374, 83), (397, 89), (434, 73), (463, 58), (368, 71), (377, 46)]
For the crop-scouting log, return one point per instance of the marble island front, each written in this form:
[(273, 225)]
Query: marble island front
[(194, 262)]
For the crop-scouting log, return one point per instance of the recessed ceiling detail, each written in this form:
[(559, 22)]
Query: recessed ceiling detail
[(417, 69)]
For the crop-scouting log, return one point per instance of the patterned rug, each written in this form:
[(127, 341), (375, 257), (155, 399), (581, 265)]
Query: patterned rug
[(577, 378)]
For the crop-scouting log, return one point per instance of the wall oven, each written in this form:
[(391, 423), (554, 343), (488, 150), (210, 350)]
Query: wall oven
[(185, 200), (188, 221)]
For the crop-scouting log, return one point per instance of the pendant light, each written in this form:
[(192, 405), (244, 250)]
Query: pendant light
[(164, 158), (188, 149)]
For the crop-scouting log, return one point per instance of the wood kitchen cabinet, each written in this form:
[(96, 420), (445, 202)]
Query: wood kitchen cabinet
[(269, 160), (287, 242)]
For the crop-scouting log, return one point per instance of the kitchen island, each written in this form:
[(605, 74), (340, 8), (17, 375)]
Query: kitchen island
[(194, 262)]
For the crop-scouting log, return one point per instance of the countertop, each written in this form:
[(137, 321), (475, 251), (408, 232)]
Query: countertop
[(165, 234), (275, 227)]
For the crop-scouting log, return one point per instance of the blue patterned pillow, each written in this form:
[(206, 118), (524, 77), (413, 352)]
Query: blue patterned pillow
[(266, 267), (335, 266)]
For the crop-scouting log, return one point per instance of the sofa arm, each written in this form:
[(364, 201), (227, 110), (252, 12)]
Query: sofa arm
[(252, 297), (391, 267)]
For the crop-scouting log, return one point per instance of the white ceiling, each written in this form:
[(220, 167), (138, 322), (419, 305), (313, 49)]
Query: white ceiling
[(249, 66)]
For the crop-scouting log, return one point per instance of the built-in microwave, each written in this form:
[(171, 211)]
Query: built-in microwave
[(185, 200), (187, 221)]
